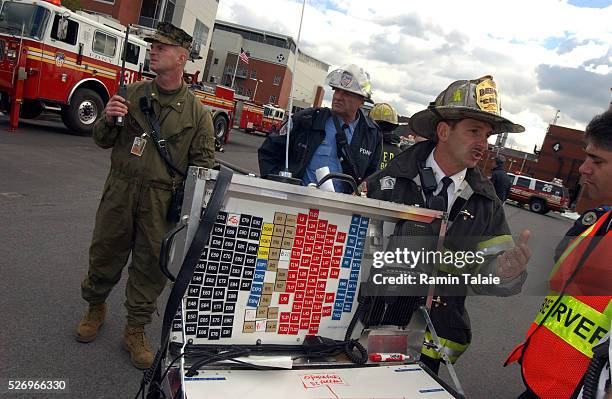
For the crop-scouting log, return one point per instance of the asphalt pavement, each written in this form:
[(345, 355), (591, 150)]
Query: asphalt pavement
[(50, 186)]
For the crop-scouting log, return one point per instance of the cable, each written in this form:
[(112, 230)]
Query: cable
[(352, 344)]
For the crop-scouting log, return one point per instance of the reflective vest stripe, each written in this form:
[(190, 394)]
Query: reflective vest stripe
[(453, 349), (571, 248), (574, 322)]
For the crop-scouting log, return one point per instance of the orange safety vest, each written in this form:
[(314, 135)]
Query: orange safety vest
[(571, 321)]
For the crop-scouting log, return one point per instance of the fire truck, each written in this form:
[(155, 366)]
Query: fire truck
[(53, 59), (220, 101), (252, 117)]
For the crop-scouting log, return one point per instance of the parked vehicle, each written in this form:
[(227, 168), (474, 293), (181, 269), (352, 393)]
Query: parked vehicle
[(541, 196), (56, 60), (252, 117)]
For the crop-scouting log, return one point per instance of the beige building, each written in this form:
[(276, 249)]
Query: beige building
[(266, 79)]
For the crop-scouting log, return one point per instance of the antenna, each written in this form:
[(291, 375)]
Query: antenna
[(286, 172), (554, 122)]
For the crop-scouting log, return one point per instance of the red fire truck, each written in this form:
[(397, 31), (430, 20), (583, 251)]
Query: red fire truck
[(220, 101), (252, 117), (53, 59)]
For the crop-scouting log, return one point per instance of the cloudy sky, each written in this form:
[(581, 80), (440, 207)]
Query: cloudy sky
[(545, 55)]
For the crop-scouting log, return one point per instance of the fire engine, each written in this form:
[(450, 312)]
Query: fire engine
[(53, 59), (252, 117), (220, 101)]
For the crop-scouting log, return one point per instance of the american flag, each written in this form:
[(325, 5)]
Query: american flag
[(243, 56)]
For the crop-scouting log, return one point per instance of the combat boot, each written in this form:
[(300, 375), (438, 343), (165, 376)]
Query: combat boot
[(88, 327), (135, 342)]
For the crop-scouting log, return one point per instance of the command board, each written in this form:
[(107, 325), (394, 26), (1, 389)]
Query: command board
[(275, 274)]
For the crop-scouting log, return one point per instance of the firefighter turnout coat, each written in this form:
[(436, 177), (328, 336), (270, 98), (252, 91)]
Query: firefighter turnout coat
[(481, 226), (574, 316)]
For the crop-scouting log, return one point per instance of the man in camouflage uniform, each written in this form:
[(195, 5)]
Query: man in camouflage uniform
[(132, 215)]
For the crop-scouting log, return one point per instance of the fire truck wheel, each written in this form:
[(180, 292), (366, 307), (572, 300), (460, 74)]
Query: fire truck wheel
[(220, 125), (538, 206), (85, 108)]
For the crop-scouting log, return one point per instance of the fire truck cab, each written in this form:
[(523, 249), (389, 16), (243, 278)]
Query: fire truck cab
[(57, 60), (272, 118)]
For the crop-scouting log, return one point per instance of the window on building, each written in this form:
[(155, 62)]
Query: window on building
[(249, 92), (277, 80), (253, 74), (211, 79), (215, 61), (148, 13), (169, 12), (200, 35), (67, 33), (523, 182), (104, 44), (272, 99), (239, 89)]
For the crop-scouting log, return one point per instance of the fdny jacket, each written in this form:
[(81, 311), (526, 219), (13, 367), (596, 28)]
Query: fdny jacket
[(307, 134), (481, 226)]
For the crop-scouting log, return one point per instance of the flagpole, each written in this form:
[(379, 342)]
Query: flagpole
[(235, 69), (297, 52)]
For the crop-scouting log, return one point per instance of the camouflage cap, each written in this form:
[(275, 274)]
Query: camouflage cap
[(476, 99), (169, 34)]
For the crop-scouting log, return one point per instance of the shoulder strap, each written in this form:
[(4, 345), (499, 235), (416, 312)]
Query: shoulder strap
[(160, 143), (185, 274), (342, 145)]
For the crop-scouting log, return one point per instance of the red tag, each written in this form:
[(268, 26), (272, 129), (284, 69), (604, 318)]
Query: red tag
[(295, 317), (293, 330), (341, 237), (313, 214), (283, 329), (284, 317), (302, 218), (327, 311), (334, 273), (322, 225), (338, 250), (335, 262), (283, 299), (329, 297)]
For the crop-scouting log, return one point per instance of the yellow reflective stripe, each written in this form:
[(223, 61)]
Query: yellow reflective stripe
[(570, 248), (453, 349), (495, 245), (575, 322)]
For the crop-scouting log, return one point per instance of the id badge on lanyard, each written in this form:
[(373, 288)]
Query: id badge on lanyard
[(139, 145)]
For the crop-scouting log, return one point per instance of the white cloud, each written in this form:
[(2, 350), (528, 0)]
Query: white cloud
[(544, 55)]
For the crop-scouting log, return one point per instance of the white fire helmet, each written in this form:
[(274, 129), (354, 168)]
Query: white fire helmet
[(351, 78)]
